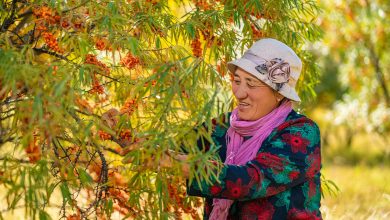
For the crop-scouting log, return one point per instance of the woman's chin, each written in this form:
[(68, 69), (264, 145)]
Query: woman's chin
[(243, 116)]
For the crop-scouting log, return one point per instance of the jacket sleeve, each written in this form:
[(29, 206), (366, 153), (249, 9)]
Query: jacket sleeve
[(288, 157)]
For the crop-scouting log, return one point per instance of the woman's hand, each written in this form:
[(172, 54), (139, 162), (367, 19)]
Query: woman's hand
[(167, 161)]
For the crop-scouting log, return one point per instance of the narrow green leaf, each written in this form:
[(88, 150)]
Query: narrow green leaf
[(44, 215), (158, 43), (190, 29), (133, 43), (85, 178), (59, 88), (65, 191)]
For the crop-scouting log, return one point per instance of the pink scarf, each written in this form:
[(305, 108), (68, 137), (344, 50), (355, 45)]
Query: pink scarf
[(239, 152)]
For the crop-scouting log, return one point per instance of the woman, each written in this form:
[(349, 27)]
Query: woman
[(271, 153)]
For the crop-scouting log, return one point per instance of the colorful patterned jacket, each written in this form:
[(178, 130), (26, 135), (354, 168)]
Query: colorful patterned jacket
[(281, 182)]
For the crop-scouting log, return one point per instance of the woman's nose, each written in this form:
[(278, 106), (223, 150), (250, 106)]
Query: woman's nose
[(241, 92)]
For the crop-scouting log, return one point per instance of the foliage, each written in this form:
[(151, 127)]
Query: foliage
[(356, 44), (92, 91)]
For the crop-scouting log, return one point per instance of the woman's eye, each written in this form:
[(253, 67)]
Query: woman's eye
[(236, 81), (251, 86)]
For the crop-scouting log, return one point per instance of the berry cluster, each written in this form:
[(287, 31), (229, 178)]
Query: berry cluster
[(65, 24), (256, 33), (177, 193), (51, 42), (126, 135), (46, 14), (102, 44), (196, 47), (104, 135), (92, 59), (129, 107), (130, 61), (96, 86)]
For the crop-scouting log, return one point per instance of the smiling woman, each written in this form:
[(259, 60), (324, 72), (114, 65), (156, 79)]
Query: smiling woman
[(271, 153)]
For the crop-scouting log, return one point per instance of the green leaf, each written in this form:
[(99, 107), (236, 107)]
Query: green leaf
[(37, 106), (81, 75), (109, 206), (85, 178), (133, 43), (158, 43), (44, 215), (59, 88), (190, 30), (65, 191)]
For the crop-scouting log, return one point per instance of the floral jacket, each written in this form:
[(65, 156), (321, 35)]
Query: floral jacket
[(281, 182)]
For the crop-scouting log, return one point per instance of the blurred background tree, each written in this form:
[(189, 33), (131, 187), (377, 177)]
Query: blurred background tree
[(352, 107), (356, 62), (91, 91)]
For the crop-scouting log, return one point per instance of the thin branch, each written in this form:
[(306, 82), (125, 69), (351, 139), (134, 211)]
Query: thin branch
[(41, 50)]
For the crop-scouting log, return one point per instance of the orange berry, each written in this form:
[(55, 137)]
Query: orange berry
[(196, 47), (129, 107), (130, 61), (104, 135), (92, 59)]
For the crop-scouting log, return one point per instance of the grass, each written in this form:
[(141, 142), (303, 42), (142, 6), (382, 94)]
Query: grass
[(364, 193)]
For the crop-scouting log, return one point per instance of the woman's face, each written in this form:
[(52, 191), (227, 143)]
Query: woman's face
[(255, 98)]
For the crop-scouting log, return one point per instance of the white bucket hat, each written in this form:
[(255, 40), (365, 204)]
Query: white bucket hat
[(274, 63)]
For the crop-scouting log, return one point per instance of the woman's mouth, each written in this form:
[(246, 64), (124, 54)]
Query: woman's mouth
[(243, 106)]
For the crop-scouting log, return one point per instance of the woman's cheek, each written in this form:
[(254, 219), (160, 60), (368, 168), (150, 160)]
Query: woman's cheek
[(234, 89)]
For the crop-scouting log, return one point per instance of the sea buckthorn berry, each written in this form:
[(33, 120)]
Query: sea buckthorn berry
[(65, 24), (92, 59), (51, 42), (130, 61), (196, 47), (129, 107), (126, 135), (97, 87), (104, 135)]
